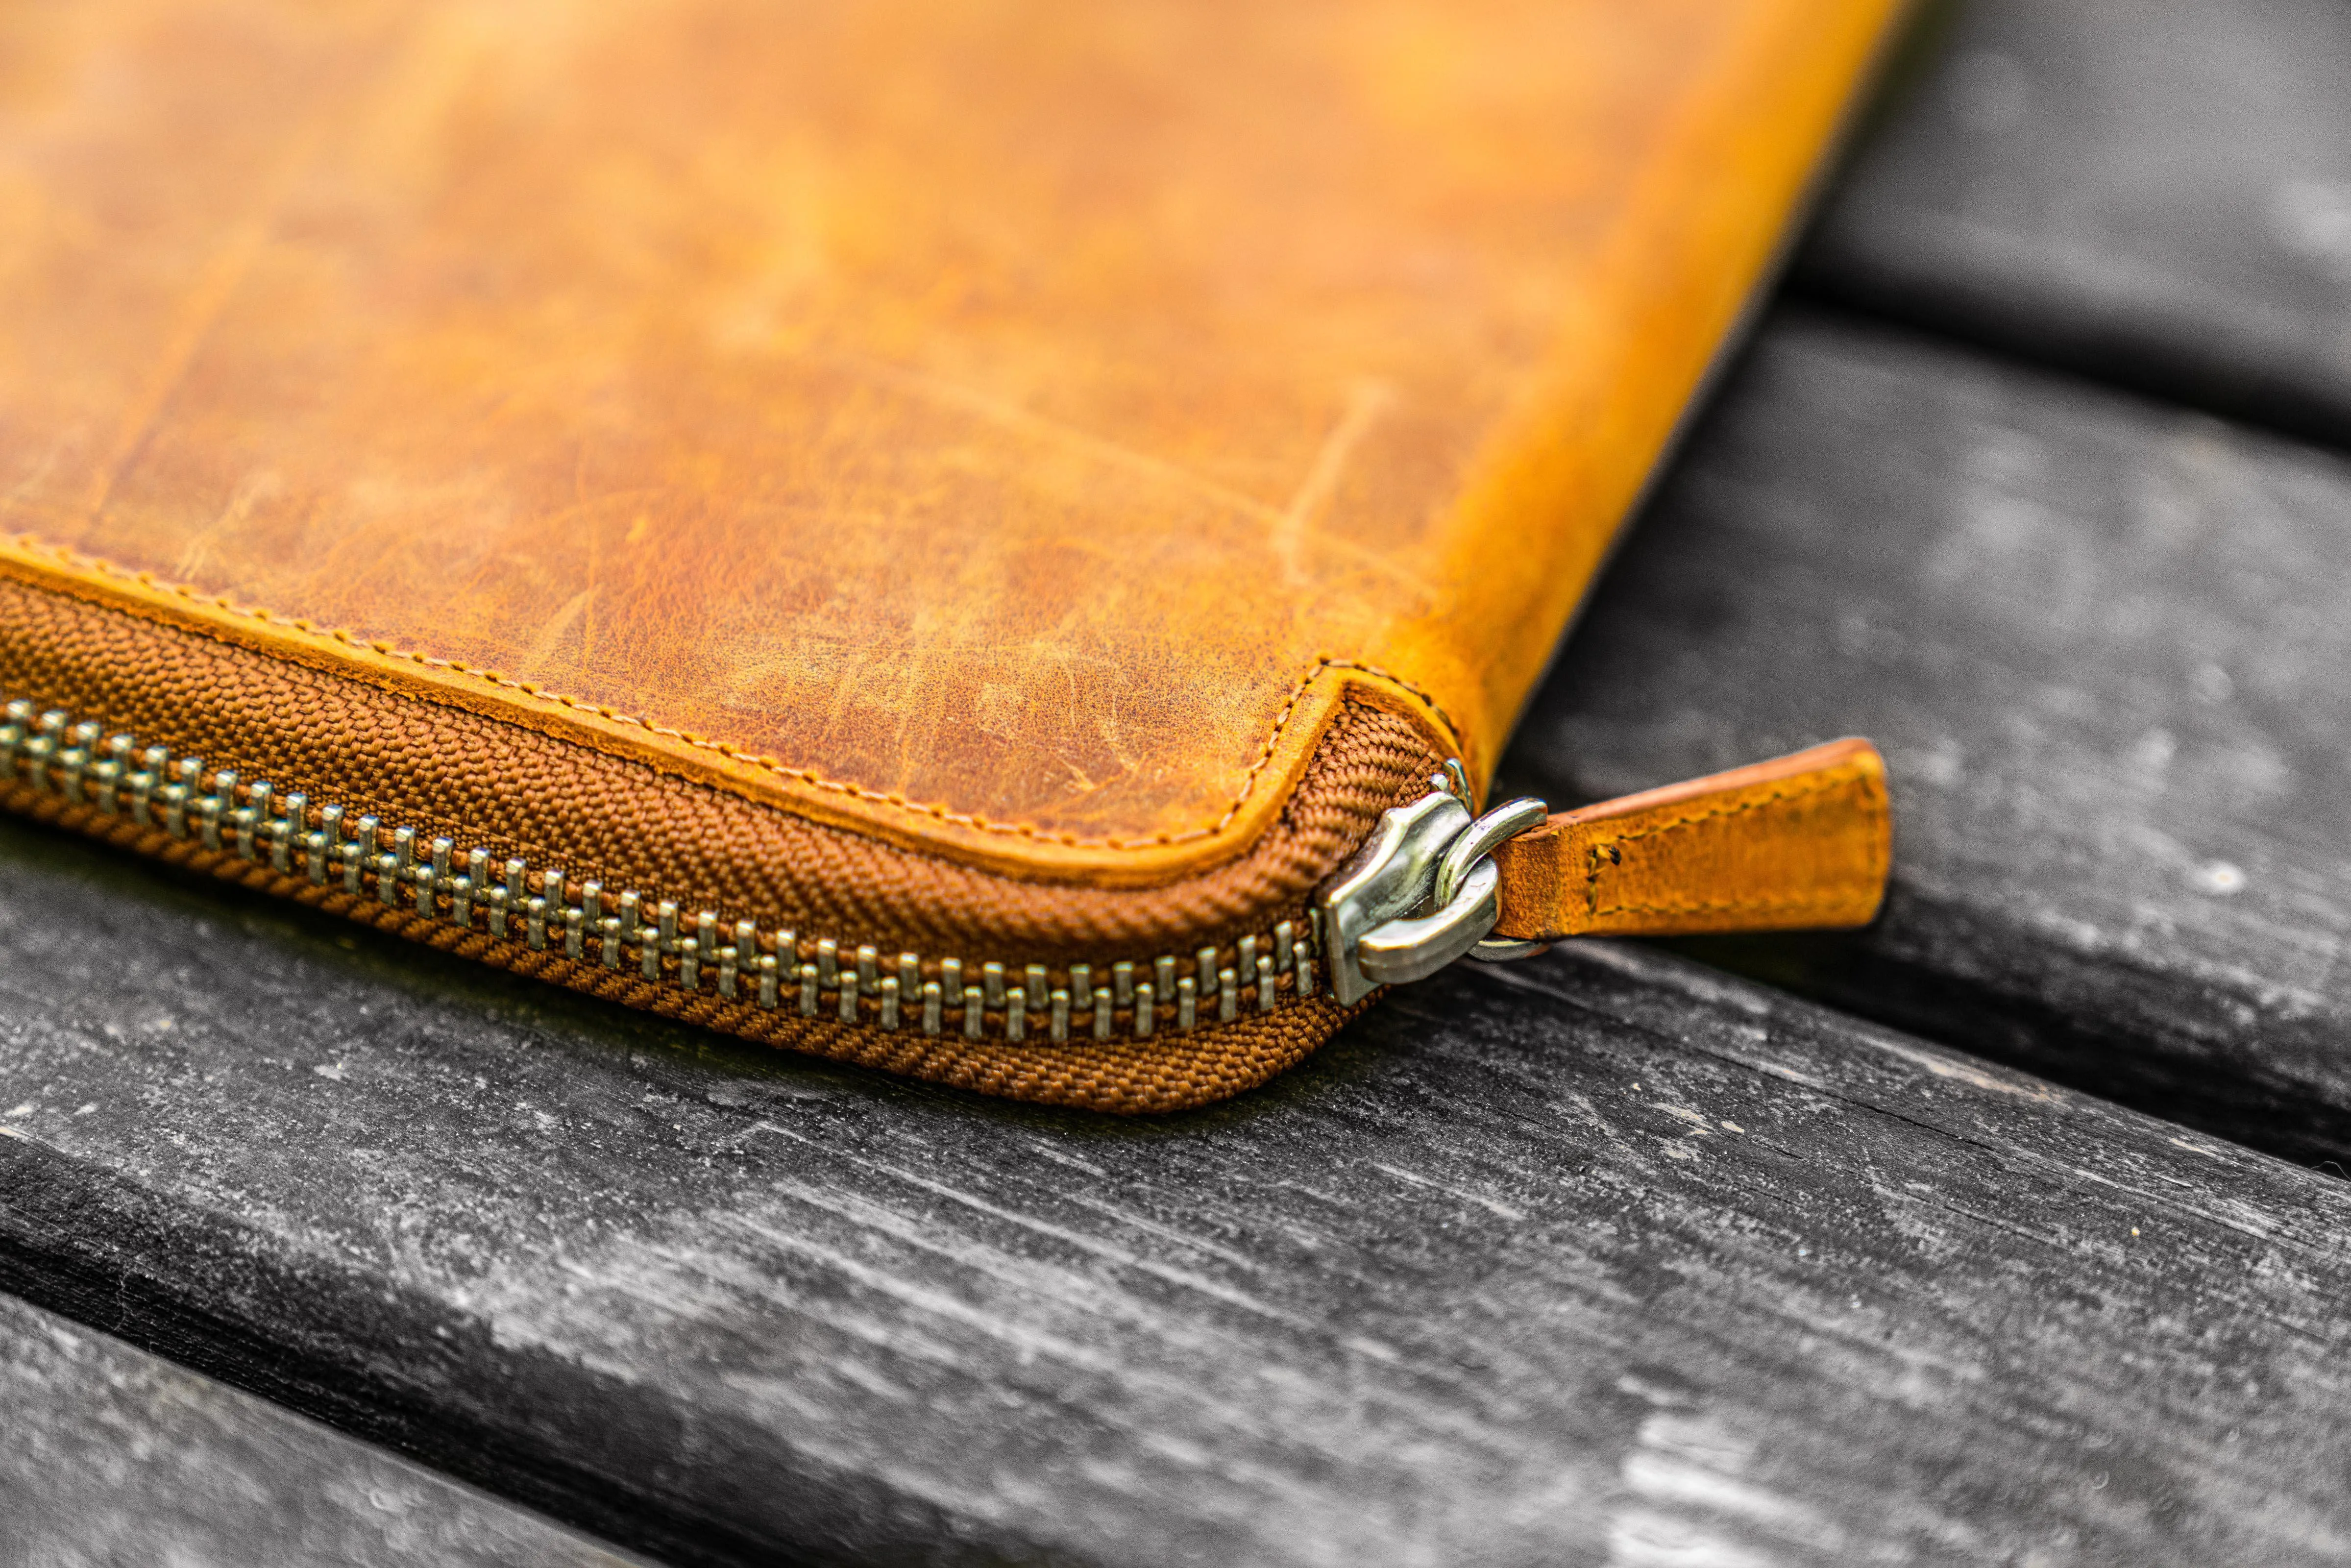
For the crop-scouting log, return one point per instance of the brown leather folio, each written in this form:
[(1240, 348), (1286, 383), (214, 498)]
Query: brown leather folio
[(999, 542)]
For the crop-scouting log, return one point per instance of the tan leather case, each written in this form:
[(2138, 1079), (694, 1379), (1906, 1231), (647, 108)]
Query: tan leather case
[(1013, 486)]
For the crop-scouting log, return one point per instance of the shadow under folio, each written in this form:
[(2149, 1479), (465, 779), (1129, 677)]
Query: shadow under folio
[(606, 1035), (1853, 974)]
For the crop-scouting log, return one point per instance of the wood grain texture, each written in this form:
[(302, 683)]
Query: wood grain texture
[(2102, 645), (113, 1457), (1599, 1260), (2155, 193)]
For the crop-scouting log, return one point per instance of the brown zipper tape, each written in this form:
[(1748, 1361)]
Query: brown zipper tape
[(1122, 1075), (451, 771)]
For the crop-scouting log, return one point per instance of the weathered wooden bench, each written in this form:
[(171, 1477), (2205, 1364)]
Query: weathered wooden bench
[(1613, 1256), (115, 1456)]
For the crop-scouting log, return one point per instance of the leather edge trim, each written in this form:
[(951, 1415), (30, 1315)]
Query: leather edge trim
[(1313, 703)]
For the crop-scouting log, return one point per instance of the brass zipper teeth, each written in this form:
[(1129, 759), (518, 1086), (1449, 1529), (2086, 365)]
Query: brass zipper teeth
[(514, 899)]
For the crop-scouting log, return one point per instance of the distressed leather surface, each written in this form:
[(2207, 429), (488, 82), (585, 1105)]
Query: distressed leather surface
[(1005, 428), (1802, 842)]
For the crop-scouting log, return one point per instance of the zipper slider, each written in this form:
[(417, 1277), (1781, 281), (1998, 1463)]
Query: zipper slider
[(1803, 841), (1422, 892)]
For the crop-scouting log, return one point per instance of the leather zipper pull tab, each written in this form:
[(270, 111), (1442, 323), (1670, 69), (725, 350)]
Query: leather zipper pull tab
[(1801, 842)]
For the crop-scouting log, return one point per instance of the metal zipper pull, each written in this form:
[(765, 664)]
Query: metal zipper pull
[(1423, 890), (1805, 842)]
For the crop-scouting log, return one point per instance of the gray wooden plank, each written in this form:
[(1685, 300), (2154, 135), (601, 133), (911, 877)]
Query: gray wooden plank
[(2103, 645), (116, 1460), (1606, 1257), (2152, 191)]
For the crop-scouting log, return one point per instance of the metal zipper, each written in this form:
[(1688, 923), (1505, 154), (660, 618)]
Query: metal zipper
[(545, 910)]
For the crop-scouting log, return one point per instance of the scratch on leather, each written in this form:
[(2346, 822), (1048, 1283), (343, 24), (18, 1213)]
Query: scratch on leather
[(1365, 403), (1012, 417)]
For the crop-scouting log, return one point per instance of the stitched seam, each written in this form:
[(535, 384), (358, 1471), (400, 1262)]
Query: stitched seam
[(939, 813), (1757, 905), (1592, 876)]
